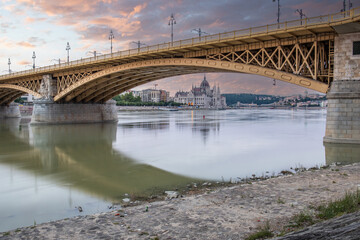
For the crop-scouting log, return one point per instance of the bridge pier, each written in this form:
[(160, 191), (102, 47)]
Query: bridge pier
[(343, 113), (10, 111), (47, 111)]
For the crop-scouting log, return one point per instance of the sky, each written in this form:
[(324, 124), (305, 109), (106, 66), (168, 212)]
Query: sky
[(45, 27)]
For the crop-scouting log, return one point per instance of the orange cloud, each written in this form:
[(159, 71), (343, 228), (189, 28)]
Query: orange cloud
[(32, 20), (24, 63), (25, 44)]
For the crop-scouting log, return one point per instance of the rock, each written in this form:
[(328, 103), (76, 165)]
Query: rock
[(344, 227), (79, 208), (171, 194)]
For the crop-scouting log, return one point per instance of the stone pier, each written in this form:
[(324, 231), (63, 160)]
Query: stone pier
[(46, 111), (343, 114), (10, 111)]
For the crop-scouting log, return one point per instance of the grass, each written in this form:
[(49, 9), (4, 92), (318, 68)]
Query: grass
[(303, 219), (349, 203), (263, 233)]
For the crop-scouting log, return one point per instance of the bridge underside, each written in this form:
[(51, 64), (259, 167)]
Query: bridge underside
[(104, 85)]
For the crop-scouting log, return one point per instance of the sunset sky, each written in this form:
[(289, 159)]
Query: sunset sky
[(46, 26)]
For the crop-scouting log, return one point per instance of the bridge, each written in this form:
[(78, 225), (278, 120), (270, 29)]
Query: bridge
[(320, 53)]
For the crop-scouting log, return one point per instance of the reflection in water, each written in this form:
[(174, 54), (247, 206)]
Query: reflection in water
[(84, 154), (342, 153), (73, 162), (46, 171), (202, 123)]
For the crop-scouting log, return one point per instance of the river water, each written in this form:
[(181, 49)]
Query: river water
[(46, 172)]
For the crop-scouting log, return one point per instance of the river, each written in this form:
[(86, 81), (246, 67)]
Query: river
[(46, 172)]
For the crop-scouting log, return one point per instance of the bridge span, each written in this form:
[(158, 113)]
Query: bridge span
[(320, 53)]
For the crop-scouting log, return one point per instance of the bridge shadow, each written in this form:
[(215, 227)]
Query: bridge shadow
[(81, 156)]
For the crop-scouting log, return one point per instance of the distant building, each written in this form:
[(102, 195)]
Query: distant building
[(152, 95), (202, 96), (28, 98)]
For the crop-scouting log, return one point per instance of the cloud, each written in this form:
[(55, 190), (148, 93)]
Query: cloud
[(25, 44), (37, 40), (24, 63), (29, 20)]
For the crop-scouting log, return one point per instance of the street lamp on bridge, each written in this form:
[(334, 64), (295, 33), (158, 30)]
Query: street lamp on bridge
[(139, 44), (278, 13), (300, 11), (33, 57), (111, 37), (198, 31), (95, 53), (57, 60), (9, 63), (172, 21), (68, 49)]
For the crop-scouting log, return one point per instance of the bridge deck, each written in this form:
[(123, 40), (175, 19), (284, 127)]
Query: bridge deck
[(296, 28)]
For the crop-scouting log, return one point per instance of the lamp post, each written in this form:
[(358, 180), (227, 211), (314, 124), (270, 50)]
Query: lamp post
[(301, 14), (198, 31), (56, 60), (33, 57), (278, 13), (172, 21), (111, 37), (9, 63), (139, 44), (68, 49), (92, 52)]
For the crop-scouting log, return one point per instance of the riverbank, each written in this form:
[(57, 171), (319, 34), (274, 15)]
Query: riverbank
[(231, 212)]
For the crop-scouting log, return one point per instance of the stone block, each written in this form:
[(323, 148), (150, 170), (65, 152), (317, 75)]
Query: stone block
[(48, 112), (10, 111)]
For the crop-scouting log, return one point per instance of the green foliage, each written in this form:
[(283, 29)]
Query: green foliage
[(127, 97), (303, 219), (280, 201), (263, 233), (248, 98), (350, 203), (19, 100)]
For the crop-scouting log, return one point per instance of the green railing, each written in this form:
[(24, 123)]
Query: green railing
[(215, 38)]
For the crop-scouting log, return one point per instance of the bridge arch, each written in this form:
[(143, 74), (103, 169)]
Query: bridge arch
[(15, 92), (103, 85)]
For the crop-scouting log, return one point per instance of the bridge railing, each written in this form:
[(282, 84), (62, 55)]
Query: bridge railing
[(233, 35)]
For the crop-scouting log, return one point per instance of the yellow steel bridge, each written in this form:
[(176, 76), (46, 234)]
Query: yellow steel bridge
[(300, 52)]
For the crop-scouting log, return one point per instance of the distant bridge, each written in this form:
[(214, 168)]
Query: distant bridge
[(300, 52)]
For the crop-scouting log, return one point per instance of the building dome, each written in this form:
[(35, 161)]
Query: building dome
[(204, 84)]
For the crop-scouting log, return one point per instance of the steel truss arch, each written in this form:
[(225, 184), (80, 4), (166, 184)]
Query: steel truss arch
[(160, 68)]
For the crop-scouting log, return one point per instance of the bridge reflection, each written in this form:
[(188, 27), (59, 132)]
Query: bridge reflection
[(82, 157), (342, 153)]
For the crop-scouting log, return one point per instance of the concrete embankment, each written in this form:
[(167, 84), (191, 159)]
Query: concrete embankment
[(222, 213)]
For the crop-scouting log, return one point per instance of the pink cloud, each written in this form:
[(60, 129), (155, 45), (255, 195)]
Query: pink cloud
[(25, 44), (24, 63)]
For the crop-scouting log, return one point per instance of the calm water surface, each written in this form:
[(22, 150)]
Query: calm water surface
[(47, 171)]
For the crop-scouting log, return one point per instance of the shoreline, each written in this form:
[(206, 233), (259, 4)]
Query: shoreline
[(224, 212)]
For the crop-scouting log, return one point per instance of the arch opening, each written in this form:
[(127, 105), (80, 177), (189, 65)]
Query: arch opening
[(103, 85)]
